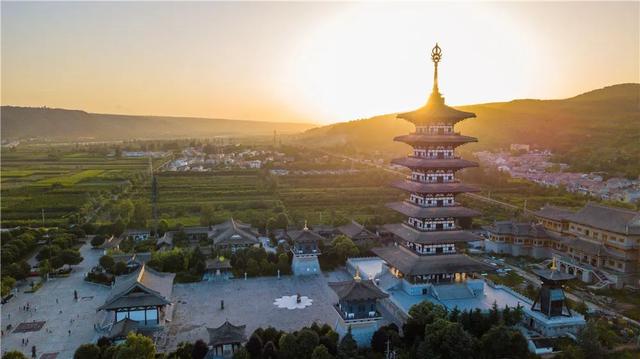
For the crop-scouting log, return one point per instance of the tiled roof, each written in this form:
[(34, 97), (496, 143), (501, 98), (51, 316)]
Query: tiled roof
[(353, 229), (524, 229), (410, 234), (419, 187), (123, 327), (144, 287), (435, 111), (305, 236), (354, 290), (419, 162), (410, 263), (227, 333), (554, 213), (234, 232), (608, 218), (416, 138), (413, 210)]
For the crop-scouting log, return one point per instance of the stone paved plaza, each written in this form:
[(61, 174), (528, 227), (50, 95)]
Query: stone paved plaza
[(54, 336), (248, 302)]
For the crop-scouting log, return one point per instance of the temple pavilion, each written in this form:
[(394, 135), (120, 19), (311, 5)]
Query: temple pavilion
[(305, 251), (225, 340), (428, 244), (357, 308), (142, 296)]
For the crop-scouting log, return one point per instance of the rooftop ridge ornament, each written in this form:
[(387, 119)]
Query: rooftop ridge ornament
[(357, 277), (306, 228)]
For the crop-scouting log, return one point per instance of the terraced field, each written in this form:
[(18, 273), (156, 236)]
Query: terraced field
[(35, 178)]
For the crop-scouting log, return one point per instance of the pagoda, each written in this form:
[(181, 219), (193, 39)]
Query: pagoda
[(428, 243), (305, 251)]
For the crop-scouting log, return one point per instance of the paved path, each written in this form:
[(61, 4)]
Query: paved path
[(58, 316)]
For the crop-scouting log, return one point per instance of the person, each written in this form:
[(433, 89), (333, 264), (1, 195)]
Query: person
[(33, 352), (56, 300), (69, 332), (75, 295)]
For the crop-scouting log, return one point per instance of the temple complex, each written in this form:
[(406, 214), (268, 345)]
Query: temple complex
[(428, 244), (305, 251), (597, 244), (357, 308)]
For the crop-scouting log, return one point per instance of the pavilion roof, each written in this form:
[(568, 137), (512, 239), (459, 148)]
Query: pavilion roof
[(234, 232), (305, 236), (554, 213), (413, 210), (418, 187), (410, 234), (227, 333), (419, 162), (410, 263), (144, 287), (553, 275), (355, 290), (218, 263), (354, 229), (421, 138)]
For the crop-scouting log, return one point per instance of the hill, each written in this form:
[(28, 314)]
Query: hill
[(595, 131), (27, 122)]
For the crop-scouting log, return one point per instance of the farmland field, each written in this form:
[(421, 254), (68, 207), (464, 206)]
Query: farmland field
[(62, 182)]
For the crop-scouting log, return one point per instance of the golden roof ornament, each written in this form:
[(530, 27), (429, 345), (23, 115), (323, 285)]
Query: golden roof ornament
[(436, 56), (554, 265), (357, 277), (305, 225)]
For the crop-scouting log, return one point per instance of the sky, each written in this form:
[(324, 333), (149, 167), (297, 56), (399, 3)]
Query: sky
[(307, 62)]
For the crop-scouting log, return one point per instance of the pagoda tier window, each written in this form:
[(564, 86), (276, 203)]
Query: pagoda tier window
[(430, 224), (431, 201), (439, 152), (435, 129), (439, 177), (447, 248)]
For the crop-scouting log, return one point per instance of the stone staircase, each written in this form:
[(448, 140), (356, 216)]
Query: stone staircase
[(452, 291)]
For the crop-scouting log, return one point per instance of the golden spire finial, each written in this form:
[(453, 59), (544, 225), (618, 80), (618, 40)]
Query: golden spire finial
[(554, 266), (357, 277), (305, 225), (436, 56)]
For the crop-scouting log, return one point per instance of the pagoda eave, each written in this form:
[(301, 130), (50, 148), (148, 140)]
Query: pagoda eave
[(413, 235), (413, 210), (425, 139), (433, 188), (410, 263), (424, 163)]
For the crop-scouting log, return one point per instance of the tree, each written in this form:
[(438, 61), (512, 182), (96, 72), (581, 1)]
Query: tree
[(254, 346), (163, 227), (107, 262), (241, 353), (87, 351), (44, 268), (8, 283), (288, 347), (419, 316), (200, 349), (379, 340), (141, 213), (136, 346), (207, 215), (119, 268), (444, 339), (183, 351), (269, 351), (70, 257), (321, 352), (348, 347), (14, 354), (125, 210), (343, 248), (502, 342), (98, 240), (307, 341)]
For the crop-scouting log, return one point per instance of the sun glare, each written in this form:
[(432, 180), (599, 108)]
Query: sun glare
[(373, 59)]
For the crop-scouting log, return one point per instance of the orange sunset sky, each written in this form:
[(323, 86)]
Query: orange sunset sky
[(308, 62)]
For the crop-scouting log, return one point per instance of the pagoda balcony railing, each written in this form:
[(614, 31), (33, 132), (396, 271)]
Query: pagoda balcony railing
[(444, 205), (437, 133), (354, 318), (413, 155), (432, 182), (302, 253), (454, 228)]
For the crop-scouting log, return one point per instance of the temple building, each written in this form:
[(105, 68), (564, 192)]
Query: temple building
[(357, 308), (217, 269), (305, 251), (233, 235), (143, 296), (225, 340), (427, 251), (598, 244), (358, 233)]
